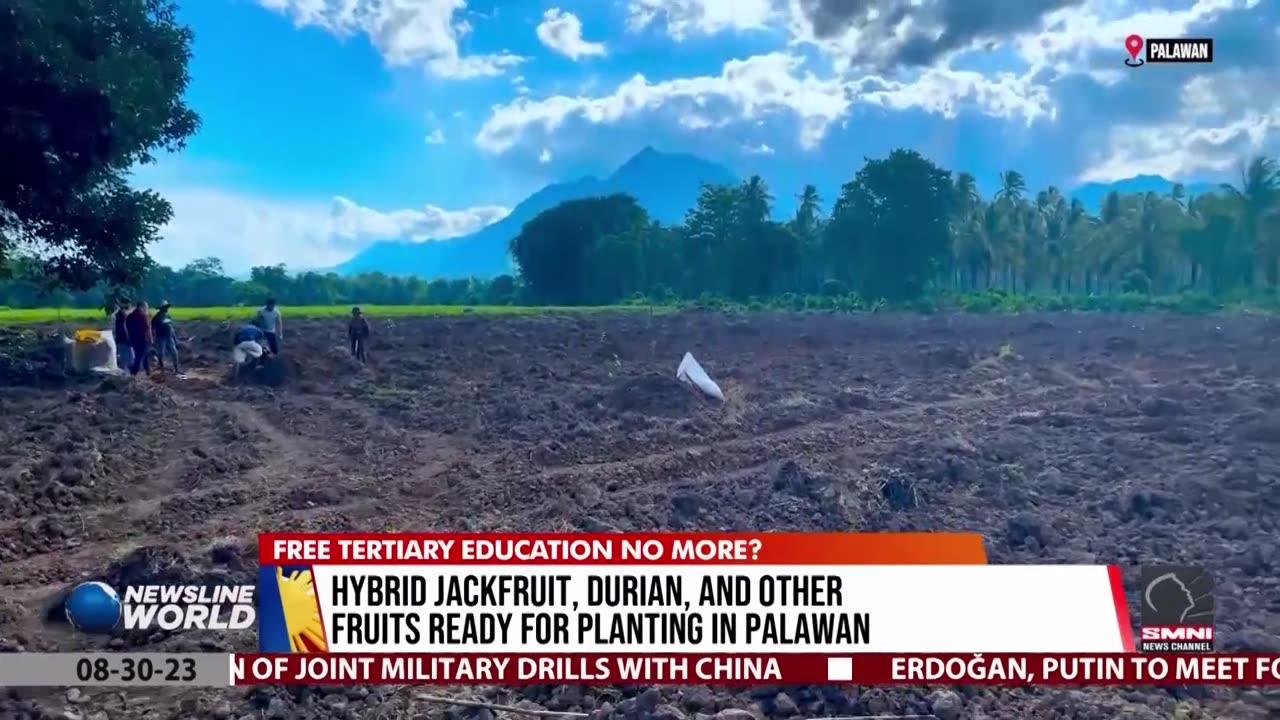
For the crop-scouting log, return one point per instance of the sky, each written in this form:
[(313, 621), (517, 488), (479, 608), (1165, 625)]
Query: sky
[(328, 125)]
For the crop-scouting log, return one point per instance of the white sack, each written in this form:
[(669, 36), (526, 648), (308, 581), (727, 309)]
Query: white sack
[(245, 351), (691, 372), (94, 352), (104, 355)]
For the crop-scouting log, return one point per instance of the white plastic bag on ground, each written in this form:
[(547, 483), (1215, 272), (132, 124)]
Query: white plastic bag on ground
[(247, 350), (691, 372)]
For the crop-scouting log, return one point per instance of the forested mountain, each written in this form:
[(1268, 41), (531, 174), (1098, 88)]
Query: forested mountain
[(901, 228)]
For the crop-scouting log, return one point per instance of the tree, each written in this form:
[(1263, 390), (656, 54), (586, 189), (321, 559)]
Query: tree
[(554, 249), (970, 247), (1258, 197), (895, 216), (272, 277), (806, 225), (91, 88)]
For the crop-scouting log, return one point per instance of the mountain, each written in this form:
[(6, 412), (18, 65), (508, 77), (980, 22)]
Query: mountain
[(665, 184), (1092, 194)]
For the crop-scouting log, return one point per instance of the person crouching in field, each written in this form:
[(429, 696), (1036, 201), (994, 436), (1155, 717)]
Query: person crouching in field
[(248, 342), (138, 327), (166, 337), (358, 334)]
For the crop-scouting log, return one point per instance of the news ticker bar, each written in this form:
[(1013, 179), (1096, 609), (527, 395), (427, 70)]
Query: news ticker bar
[(1011, 670)]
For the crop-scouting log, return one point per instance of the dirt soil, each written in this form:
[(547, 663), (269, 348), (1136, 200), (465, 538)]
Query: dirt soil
[(1062, 439)]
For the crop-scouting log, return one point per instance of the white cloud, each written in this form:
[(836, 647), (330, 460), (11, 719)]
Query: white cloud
[(1223, 117), (761, 149), (561, 32), (544, 157), (405, 32), (765, 84), (760, 84), (1178, 149), (436, 137), (244, 231), (944, 92), (357, 223), (685, 18), (697, 121)]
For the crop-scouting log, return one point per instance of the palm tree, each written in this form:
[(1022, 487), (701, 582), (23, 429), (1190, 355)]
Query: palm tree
[(1259, 199), (757, 203), (1012, 242), (991, 232), (967, 196), (970, 252), (1079, 230), (806, 225), (1205, 237), (808, 213), (1012, 186)]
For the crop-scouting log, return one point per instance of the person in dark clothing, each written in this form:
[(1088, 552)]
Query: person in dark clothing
[(138, 325), (166, 337), (124, 353), (358, 333), (250, 333)]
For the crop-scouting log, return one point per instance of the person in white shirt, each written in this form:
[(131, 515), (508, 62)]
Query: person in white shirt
[(268, 318)]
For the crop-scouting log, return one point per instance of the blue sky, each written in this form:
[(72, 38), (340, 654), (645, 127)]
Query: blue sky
[(328, 125)]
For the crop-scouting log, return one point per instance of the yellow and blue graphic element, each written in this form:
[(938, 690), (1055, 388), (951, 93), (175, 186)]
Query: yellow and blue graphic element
[(288, 611)]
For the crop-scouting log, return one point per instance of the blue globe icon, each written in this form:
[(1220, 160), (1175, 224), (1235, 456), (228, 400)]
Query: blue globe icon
[(93, 607)]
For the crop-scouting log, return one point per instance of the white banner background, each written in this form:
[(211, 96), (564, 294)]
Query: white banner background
[(917, 608)]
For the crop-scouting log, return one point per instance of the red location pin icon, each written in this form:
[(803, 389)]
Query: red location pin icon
[(1133, 46)]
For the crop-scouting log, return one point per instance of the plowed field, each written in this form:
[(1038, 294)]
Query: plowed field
[(1063, 439)]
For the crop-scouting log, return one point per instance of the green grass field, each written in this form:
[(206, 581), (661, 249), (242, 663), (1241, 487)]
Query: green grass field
[(53, 315), (991, 301)]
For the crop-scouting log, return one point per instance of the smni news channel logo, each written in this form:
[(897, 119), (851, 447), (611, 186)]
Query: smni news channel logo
[(96, 607), (1177, 610)]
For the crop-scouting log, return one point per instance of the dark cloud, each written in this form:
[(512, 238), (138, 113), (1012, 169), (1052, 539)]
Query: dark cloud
[(938, 26)]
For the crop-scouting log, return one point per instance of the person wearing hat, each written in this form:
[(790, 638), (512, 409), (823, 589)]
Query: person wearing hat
[(358, 333), (166, 336)]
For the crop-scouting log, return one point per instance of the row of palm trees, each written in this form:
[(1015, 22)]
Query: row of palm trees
[(1217, 242)]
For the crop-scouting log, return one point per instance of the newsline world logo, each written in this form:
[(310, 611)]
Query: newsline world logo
[(1167, 50), (95, 607), (1178, 610)]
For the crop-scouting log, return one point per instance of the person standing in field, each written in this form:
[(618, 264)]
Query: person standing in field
[(166, 336), (269, 319), (138, 326), (124, 353), (358, 333)]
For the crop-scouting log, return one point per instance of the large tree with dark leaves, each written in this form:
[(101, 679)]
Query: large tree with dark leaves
[(560, 251), (88, 90), (890, 229)]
